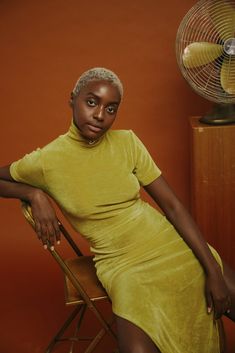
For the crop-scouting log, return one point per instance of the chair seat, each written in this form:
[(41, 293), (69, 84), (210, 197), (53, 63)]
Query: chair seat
[(84, 266)]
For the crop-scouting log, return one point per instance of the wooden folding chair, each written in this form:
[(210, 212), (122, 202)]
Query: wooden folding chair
[(82, 289)]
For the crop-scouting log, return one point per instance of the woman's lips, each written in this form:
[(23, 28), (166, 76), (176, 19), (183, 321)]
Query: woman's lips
[(94, 128)]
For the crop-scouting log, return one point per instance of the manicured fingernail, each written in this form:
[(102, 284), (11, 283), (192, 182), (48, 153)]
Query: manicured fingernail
[(58, 242), (209, 310), (52, 248), (45, 246)]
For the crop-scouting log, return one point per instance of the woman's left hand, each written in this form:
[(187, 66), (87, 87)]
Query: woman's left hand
[(217, 294)]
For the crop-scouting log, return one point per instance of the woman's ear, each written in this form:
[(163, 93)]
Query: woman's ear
[(71, 100)]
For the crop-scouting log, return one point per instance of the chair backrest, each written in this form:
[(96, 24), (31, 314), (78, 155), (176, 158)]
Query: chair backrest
[(82, 284)]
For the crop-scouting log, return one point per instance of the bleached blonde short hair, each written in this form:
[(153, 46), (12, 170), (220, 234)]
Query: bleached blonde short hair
[(98, 74)]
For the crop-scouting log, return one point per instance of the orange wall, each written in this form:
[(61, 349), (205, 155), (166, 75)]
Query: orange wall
[(45, 45)]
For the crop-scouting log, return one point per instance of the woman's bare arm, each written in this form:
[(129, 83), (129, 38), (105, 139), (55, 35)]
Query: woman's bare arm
[(216, 290), (46, 223)]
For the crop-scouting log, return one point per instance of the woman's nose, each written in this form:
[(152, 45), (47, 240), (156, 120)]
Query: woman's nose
[(99, 113)]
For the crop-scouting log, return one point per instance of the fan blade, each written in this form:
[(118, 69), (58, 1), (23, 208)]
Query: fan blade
[(223, 16), (227, 75), (201, 53)]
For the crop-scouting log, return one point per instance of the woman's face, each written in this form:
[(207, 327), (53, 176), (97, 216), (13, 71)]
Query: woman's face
[(95, 108)]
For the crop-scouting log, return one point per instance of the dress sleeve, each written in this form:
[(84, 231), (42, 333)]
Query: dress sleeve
[(145, 168), (29, 170)]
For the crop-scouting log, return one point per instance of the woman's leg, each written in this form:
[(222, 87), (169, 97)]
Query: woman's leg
[(132, 339), (229, 276)]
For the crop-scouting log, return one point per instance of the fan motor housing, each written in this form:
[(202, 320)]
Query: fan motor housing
[(229, 46)]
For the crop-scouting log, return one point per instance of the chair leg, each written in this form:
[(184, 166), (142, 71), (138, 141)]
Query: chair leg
[(76, 338), (60, 333), (99, 336), (95, 341), (80, 310), (106, 325)]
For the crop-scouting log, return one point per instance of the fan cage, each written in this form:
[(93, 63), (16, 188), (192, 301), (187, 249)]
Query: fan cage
[(209, 21)]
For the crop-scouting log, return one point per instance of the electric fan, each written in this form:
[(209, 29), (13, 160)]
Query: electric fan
[(205, 50)]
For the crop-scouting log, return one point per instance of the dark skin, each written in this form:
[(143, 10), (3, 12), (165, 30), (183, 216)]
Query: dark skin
[(94, 111)]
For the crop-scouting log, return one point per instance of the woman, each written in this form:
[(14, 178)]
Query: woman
[(156, 269)]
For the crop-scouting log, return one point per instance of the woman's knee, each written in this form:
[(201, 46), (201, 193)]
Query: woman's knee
[(132, 339)]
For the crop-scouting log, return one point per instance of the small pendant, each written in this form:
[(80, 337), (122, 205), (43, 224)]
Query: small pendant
[(91, 142)]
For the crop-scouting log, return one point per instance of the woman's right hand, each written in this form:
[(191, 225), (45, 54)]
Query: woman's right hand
[(46, 222)]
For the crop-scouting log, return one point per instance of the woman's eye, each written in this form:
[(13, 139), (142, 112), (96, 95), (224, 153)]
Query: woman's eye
[(111, 110), (91, 102)]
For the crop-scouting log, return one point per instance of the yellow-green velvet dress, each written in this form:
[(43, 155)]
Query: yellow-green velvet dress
[(150, 274)]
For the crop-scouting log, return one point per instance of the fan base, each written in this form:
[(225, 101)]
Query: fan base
[(217, 121), (222, 114)]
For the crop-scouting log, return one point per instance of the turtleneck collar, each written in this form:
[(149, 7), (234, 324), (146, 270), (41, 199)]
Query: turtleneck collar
[(75, 134)]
